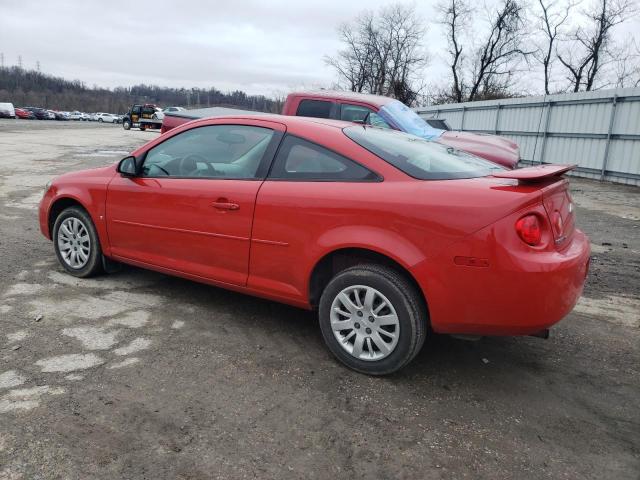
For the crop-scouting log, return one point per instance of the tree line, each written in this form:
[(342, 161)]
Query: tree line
[(489, 49), (32, 88)]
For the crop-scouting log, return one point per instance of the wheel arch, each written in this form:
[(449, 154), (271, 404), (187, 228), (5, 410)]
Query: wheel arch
[(340, 259), (60, 205)]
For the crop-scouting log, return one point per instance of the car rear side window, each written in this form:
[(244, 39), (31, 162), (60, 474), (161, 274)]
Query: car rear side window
[(418, 157), (300, 159), (314, 108)]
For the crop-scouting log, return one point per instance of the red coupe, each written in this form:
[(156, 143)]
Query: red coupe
[(388, 235)]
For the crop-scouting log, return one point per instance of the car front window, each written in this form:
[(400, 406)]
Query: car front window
[(215, 151), (418, 157)]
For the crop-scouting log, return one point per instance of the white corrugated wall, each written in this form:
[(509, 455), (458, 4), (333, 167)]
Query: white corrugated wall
[(599, 131)]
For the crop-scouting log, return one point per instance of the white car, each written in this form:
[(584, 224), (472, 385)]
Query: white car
[(7, 110), (75, 115), (107, 117)]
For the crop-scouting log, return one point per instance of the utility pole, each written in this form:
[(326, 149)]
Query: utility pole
[(20, 62), (38, 66), (1, 59)]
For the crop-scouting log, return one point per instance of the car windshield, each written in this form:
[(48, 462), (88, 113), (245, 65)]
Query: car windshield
[(420, 158), (398, 114)]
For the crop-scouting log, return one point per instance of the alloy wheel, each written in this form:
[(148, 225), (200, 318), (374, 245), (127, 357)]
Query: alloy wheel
[(74, 242), (365, 323)]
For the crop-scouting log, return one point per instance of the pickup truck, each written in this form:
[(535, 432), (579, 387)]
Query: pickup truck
[(371, 110)]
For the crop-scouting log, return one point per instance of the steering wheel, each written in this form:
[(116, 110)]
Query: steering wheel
[(188, 166)]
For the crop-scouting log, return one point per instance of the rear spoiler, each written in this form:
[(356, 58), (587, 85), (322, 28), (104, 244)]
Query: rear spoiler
[(535, 174)]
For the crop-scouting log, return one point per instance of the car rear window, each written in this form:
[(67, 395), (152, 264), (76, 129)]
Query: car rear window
[(314, 108), (418, 157)]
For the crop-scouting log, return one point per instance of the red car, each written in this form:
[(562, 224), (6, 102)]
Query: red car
[(390, 113), (24, 114), (388, 235)]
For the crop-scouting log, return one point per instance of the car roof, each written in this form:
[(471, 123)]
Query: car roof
[(378, 100), (284, 119)]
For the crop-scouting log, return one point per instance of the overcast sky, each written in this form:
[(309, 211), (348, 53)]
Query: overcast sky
[(261, 47)]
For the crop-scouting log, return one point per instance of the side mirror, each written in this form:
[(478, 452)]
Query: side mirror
[(128, 167)]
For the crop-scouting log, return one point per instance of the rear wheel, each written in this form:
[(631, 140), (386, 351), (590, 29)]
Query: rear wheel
[(142, 128), (372, 319), (76, 243)]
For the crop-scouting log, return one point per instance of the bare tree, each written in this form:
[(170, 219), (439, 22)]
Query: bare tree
[(627, 64), (589, 44), (454, 15), (497, 57), (382, 53), (552, 20), (487, 71)]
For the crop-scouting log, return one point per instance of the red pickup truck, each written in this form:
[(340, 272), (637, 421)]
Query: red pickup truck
[(371, 110)]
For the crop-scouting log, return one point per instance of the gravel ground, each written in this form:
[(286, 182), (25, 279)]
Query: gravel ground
[(139, 375)]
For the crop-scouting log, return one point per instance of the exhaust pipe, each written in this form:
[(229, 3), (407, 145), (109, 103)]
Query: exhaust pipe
[(541, 334)]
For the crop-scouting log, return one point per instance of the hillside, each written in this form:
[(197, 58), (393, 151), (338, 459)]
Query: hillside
[(32, 88)]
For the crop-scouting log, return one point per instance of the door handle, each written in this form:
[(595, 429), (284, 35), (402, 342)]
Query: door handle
[(224, 204)]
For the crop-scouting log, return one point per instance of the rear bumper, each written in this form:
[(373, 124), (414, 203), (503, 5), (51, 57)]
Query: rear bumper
[(520, 293)]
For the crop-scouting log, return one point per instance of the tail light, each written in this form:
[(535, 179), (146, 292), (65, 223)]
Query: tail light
[(529, 229)]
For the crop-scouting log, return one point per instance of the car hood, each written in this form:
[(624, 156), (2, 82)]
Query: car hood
[(93, 174), (496, 149)]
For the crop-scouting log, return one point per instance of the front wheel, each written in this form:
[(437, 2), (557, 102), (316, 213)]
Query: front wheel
[(126, 124), (76, 243), (100, 120), (372, 319)]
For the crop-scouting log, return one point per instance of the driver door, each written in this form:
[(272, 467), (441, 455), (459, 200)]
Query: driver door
[(191, 208)]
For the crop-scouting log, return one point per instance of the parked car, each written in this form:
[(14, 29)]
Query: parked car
[(388, 235), (379, 111), (7, 110), (174, 109), (24, 114), (40, 113), (75, 115), (60, 115), (107, 117)]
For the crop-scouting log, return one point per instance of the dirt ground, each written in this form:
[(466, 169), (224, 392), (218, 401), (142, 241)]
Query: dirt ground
[(138, 375)]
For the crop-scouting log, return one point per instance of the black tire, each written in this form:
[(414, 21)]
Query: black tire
[(409, 306), (126, 124), (94, 264), (100, 120), (142, 128)]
